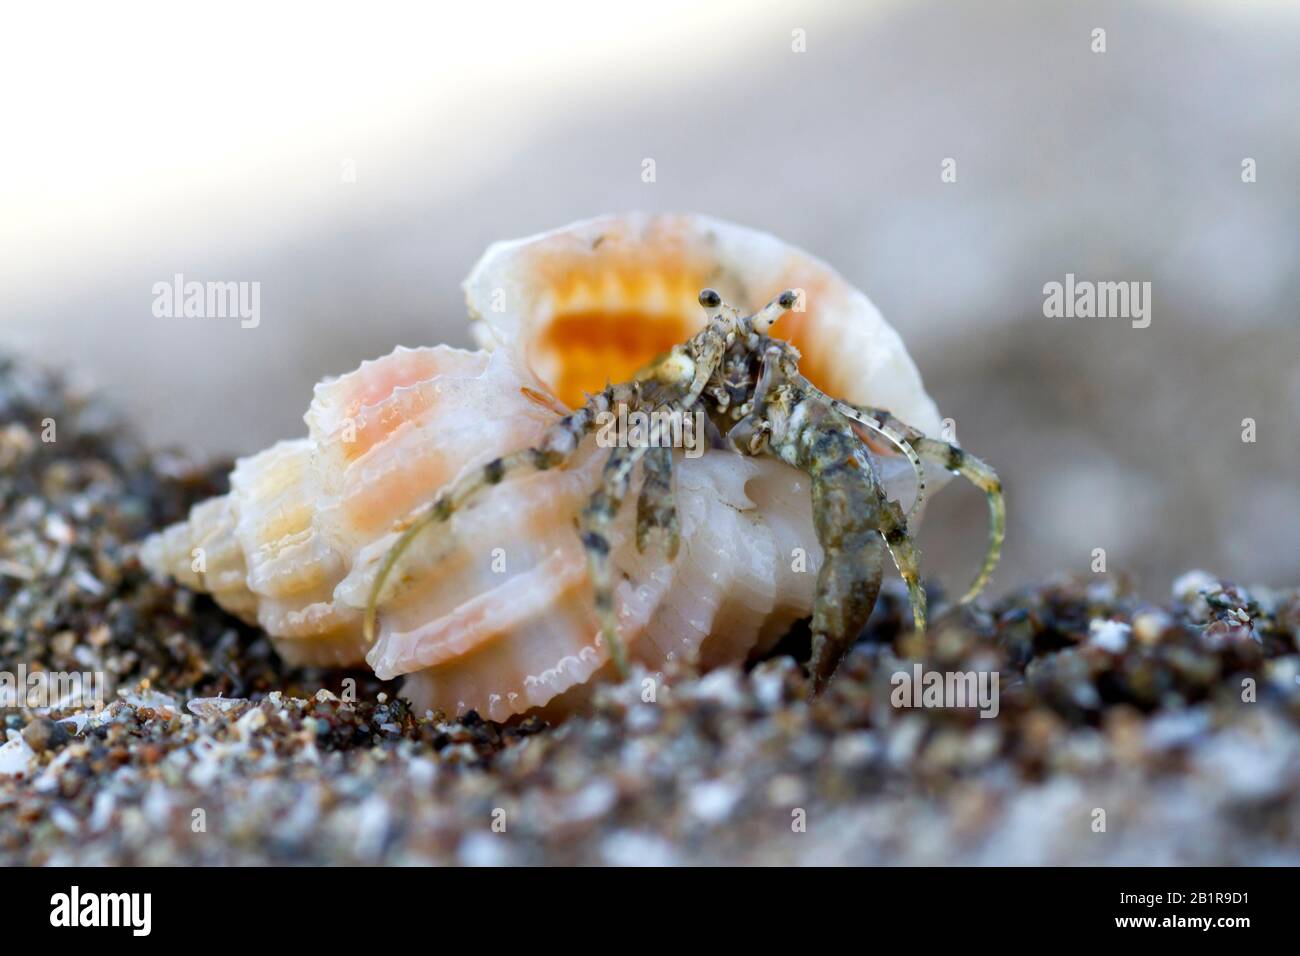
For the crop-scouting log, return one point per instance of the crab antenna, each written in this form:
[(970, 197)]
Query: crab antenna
[(762, 319)]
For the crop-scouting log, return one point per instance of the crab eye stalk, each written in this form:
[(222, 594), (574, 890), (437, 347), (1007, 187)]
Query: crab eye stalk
[(710, 299), (762, 320)]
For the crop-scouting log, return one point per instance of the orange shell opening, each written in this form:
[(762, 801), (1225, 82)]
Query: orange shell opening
[(597, 347), (604, 327)]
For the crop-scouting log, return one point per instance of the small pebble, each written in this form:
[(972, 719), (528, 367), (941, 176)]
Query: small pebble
[(43, 734)]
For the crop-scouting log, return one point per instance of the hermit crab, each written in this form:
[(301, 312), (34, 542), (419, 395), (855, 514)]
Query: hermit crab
[(470, 520)]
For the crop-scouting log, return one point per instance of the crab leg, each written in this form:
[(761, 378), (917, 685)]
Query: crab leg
[(761, 322), (844, 515), (854, 521), (557, 446), (655, 508), (816, 419), (884, 429), (676, 371), (603, 507), (597, 517), (955, 460), (889, 520), (749, 434), (847, 587), (813, 407)]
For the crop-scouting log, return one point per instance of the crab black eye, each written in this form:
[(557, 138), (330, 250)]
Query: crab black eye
[(710, 299), (787, 299)]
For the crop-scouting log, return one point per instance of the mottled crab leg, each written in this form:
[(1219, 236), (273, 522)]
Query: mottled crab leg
[(892, 524), (656, 511), (679, 372), (847, 584), (955, 460), (884, 430), (557, 446), (815, 415), (749, 434), (601, 510), (597, 518), (845, 515)]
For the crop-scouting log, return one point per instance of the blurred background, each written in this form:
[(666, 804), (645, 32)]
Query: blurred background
[(355, 159)]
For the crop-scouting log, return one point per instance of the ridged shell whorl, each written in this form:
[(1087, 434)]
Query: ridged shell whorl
[(381, 440)]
